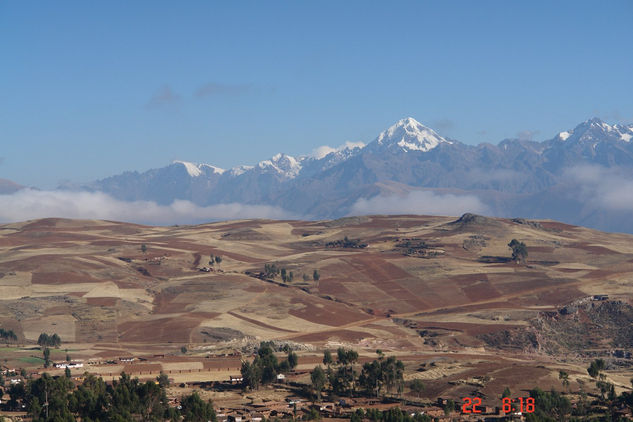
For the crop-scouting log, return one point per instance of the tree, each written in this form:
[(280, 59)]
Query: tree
[(506, 393), (250, 377), (271, 270), (318, 378), (549, 406), (595, 367), (449, 407), (55, 340), (393, 372), (293, 360), (53, 394), (564, 378), (284, 277), (346, 356), (47, 357), (327, 359), (17, 393), (162, 379), (52, 341), (8, 334), (371, 377), (417, 386), (43, 340), (143, 248), (342, 380), (218, 259), (264, 368), (67, 372), (194, 409), (519, 251), (316, 275)]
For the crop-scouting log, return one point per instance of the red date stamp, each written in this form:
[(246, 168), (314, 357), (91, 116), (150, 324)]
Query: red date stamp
[(520, 404), (470, 405), (510, 405)]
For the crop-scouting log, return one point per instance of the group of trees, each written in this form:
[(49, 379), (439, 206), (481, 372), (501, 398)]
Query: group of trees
[(387, 373), (287, 276), (555, 406), (56, 399), (548, 406), (44, 340), (217, 259), (273, 270), (343, 379), (8, 335), (346, 243), (265, 366)]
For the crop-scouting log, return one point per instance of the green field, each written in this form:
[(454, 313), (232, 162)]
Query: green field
[(31, 360)]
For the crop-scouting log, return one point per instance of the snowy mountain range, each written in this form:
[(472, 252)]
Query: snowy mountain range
[(560, 178)]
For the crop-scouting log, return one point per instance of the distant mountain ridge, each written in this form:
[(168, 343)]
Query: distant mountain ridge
[(514, 178), (9, 186)]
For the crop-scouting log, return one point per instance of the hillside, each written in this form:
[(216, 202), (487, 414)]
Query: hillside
[(435, 289)]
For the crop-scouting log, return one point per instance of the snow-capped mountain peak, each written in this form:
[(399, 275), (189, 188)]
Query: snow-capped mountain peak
[(625, 132), (196, 170), (283, 164), (409, 135), (593, 129), (239, 170), (214, 169), (192, 169)]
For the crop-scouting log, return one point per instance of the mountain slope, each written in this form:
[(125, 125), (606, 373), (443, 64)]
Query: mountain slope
[(515, 177)]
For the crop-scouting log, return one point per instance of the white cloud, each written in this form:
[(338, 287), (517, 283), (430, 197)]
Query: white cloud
[(419, 202), (324, 150), (30, 204), (606, 188)]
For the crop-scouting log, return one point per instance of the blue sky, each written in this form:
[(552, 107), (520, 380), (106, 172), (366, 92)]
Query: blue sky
[(90, 89)]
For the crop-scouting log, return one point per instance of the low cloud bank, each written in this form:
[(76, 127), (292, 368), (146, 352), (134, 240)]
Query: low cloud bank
[(606, 188), (29, 204), (419, 202)]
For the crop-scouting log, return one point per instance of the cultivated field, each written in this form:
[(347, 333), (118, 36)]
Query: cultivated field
[(438, 292)]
